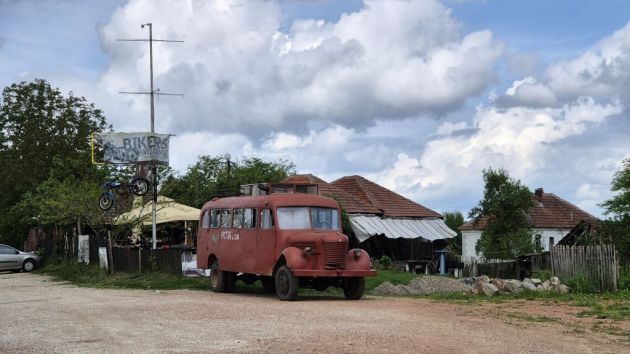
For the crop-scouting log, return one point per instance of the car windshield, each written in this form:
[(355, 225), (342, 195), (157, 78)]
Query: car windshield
[(292, 218)]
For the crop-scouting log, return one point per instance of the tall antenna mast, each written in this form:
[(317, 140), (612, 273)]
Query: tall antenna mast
[(152, 93)]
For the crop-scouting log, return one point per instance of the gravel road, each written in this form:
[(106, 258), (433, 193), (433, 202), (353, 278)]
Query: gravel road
[(39, 315)]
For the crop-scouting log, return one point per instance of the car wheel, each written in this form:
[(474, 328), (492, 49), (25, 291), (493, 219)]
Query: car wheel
[(286, 284), (28, 265)]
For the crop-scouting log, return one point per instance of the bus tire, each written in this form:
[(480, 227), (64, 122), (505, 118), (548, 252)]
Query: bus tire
[(286, 284), (218, 278), (353, 287)]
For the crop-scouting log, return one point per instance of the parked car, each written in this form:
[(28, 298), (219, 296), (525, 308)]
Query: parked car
[(15, 260)]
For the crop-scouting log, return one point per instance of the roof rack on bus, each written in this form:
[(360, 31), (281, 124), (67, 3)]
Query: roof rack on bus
[(256, 189)]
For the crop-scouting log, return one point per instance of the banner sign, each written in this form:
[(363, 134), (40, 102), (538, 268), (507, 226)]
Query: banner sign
[(133, 148)]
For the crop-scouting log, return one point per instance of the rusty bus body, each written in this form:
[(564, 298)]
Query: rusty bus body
[(285, 240)]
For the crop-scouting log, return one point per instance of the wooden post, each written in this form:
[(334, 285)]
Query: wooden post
[(109, 251)]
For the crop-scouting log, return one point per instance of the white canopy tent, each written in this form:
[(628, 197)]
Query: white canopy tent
[(167, 211)]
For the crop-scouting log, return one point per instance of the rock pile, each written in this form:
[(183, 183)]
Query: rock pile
[(424, 286), (477, 285), (486, 286)]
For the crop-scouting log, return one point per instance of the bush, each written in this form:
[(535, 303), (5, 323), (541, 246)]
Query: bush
[(385, 262), (582, 284), (542, 274)]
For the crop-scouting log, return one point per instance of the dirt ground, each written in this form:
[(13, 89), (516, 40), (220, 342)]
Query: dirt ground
[(40, 315)]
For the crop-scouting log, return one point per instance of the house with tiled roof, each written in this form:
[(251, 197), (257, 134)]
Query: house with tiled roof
[(551, 218), (383, 221)]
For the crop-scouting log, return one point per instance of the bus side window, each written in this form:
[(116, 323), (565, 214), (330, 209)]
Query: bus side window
[(214, 218), (266, 219), (238, 218), (225, 218), (249, 221), (205, 221)]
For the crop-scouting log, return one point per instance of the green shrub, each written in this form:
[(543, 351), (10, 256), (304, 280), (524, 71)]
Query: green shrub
[(542, 274), (581, 284), (385, 262)]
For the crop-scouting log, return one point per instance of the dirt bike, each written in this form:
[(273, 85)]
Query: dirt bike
[(137, 186)]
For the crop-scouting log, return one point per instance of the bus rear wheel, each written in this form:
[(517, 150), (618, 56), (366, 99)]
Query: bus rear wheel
[(286, 284), (353, 287), (219, 280)]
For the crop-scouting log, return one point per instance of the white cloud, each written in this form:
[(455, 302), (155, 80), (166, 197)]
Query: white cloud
[(518, 139), (391, 59)]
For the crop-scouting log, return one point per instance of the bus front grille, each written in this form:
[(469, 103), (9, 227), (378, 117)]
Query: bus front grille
[(335, 254)]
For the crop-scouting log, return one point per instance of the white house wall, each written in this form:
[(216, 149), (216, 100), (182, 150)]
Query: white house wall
[(470, 238)]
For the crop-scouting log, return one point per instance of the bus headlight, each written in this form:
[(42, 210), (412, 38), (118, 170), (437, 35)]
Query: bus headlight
[(357, 253), (308, 251)]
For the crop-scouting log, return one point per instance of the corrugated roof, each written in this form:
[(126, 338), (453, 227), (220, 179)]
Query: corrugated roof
[(366, 226), (550, 211)]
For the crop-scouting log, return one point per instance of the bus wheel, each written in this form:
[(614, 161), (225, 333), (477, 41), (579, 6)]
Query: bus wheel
[(353, 287), (286, 284), (218, 279)]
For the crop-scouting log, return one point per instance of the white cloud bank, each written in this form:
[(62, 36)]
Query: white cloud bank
[(534, 131), (240, 73)]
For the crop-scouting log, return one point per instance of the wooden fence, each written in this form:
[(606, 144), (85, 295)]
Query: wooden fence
[(494, 268), (598, 263), (140, 260)]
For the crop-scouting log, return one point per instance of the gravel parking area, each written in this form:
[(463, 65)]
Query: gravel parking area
[(39, 315)]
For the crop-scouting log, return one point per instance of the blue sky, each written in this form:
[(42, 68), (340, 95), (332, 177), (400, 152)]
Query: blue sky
[(419, 96)]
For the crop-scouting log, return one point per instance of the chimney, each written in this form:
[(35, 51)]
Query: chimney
[(539, 193)]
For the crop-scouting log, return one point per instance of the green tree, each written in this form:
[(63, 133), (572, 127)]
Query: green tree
[(617, 228), (454, 220), (505, 204), (42, 133), (210, 177)]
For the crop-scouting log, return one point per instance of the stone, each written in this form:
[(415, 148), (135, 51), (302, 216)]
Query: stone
[(488, 289), (535, 281), (529, 286), (540, 288), (511, 285), (546, 284), (555, 281), (482, 279), (499, 283), (563, 289), (526, 280)]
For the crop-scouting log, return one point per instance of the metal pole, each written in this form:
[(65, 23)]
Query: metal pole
[(155, 180)]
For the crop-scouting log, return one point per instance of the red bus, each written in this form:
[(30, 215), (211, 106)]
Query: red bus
[(285, 240)]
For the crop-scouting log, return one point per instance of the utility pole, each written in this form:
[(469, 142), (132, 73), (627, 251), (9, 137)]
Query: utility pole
[(152, 93)]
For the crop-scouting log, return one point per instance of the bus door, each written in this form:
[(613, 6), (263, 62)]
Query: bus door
[(244, 228), (265, 243)]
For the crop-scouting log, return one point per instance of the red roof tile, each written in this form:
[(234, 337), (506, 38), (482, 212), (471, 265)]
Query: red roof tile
[(347, 201), (550, 211), (390, 203)]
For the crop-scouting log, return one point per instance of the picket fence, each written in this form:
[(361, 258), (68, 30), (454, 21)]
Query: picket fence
[(598, 263)]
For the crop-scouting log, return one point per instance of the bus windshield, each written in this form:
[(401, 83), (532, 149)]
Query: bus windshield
[(291, 218)]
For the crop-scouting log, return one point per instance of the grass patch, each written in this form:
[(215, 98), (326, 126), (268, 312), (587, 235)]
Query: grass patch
[(391, 276), (92, 276), (539, 319)]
